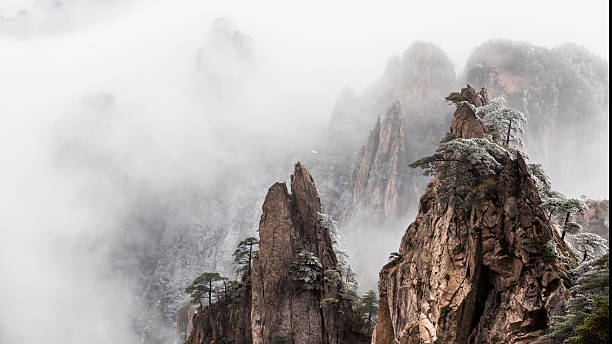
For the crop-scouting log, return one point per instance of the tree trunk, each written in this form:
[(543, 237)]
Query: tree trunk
[(508, 134), (567, 218), (563, 235), (225, 291), (209, 293), (250, 258)]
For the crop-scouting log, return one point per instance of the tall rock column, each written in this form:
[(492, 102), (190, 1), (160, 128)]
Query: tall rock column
[(465, 273), (286, 309)]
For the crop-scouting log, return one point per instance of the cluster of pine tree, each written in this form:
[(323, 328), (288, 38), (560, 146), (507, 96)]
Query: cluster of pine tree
[(585, 319), (211, 285)]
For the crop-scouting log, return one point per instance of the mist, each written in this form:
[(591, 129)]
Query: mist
[(129, 123)]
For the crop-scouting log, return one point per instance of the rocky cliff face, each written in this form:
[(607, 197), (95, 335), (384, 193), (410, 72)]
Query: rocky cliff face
[(596, 219), (465, 122), (464, 274), (563, 92), (288, 308), (293, 296), (417, 80), (227, 321), (184, 317), (382, 188)]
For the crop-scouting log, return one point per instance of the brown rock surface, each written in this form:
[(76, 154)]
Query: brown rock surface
[(283, 310), (596, 219), (474, 97), (278, 308), (184, 324), (464, 275), (381, 182), (465, 123), (224, 322)]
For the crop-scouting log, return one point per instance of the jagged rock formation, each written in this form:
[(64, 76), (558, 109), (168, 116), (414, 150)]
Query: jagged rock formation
[(278, 307), (464, 274), (465, 123), (564, 93), (285, 309), (416, 80), (382, 186)]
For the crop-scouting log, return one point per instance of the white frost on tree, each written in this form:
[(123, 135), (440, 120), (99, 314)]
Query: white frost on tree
[(542, 180), (506, 126), (587, 245), (459, 162), (495, 104), (344, 261)]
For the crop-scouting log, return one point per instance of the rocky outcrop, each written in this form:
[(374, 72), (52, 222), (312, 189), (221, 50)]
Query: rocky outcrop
[(292, 296), (226, 321), (382, 186), (288, 309), (465, 123), (464, 273)]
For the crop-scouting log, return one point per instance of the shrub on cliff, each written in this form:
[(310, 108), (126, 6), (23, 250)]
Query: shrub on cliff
[(459, 163), (559, 205), (455, 97), (203, 287), (506, 126), (307, 269), (366, 313), (243, 257)]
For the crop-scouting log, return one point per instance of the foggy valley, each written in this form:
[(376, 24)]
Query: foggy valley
[(144, 141)]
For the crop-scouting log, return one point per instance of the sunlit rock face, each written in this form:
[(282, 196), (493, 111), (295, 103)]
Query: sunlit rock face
[(283, 309), (463, 274), (276, 307), (563, 92)]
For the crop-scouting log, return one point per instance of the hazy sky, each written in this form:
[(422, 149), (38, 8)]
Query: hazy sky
[(143, 53), (347, 41)]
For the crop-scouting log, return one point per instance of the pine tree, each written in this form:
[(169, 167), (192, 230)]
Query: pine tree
[(559, 205), (307, 269), (582, 320), (456, 97), (506, 126), (203, 286), (243, 256), (369, 307), (542, 180), (588, 245), (458, 162)]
